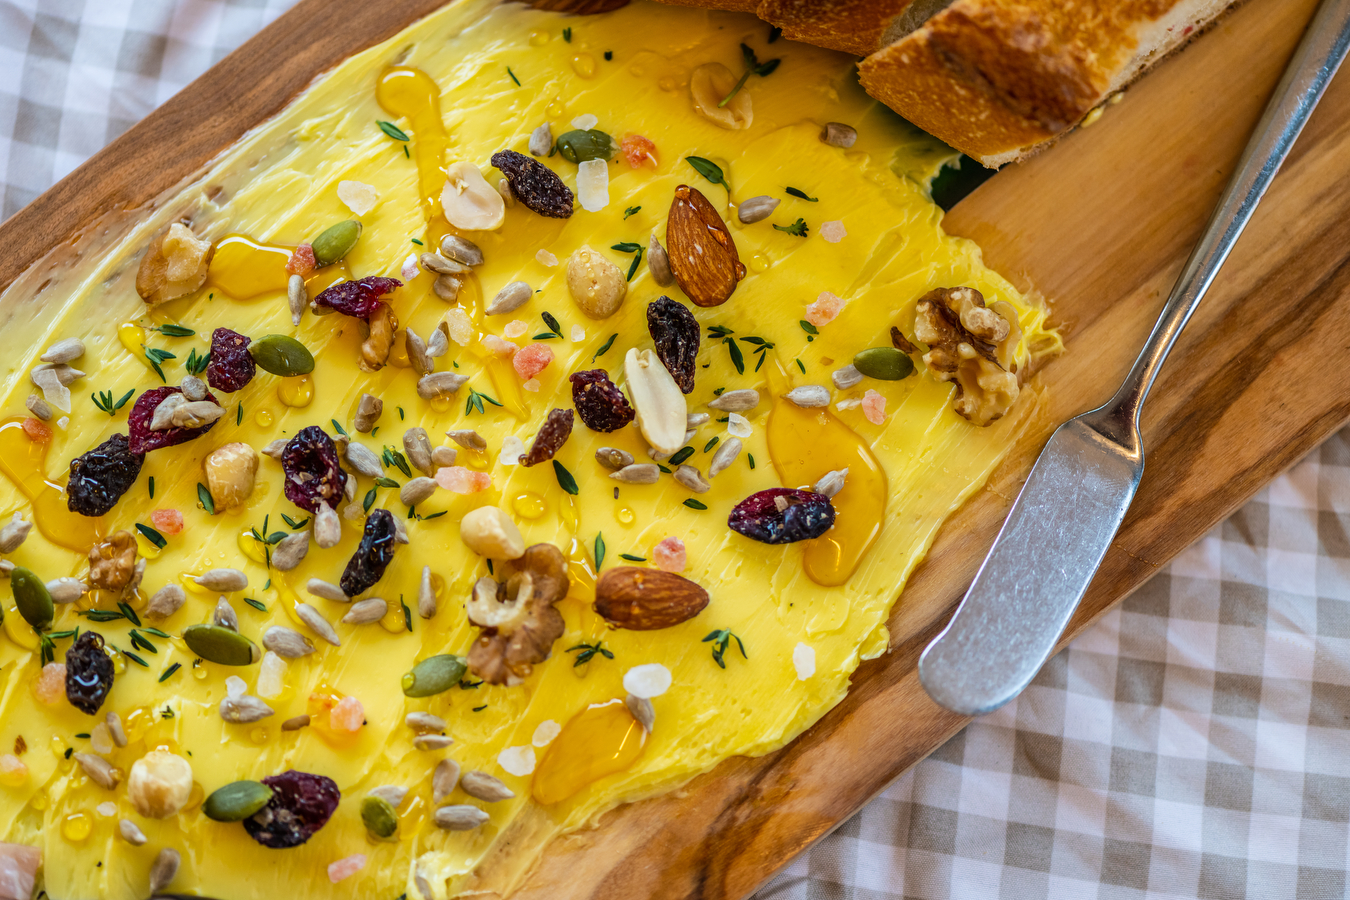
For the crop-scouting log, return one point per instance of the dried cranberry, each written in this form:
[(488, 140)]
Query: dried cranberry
[(301, 804), (599, 402), (556, 430), (313, 473), (360, 298), (231, 366), (372, 555), (143, 440), (89, 673), (804, 515), (676, 333), (535, 184), (101, 476)]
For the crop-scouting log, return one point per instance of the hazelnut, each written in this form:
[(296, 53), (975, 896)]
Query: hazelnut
[(596, 284), (231, 470), (490, 532), (160, 784)]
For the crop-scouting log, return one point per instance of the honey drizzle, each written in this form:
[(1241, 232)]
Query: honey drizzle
[(601, 740), (24, 462)]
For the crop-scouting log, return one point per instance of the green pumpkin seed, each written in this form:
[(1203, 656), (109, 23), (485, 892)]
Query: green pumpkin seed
[(281, 355), (884, 364), (32, 597), (236, 801), (579, 146), (433, 675), (221, 645), (335, 242), (379, 817)]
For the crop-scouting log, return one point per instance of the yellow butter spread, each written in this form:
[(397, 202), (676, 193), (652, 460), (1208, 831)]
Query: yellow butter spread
[(470, 80)]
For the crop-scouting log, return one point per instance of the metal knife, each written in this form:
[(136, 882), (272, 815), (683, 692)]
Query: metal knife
[(1078, 492)]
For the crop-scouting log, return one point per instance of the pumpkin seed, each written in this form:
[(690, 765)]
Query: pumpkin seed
[(884, 364), (221, 645), (281, 355), (236, 801), (32, 597), (379, 817), (579, 146), (434, 675), (335, 242)]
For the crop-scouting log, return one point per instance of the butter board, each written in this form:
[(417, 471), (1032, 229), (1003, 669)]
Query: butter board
[(1100, 224)]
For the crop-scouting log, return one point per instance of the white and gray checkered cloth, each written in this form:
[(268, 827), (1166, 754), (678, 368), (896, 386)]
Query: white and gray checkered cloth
[(1194, 744)]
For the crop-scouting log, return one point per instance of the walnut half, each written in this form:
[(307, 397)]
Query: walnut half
[(517, 616), (973, 345), (174, 264), (113, 562)]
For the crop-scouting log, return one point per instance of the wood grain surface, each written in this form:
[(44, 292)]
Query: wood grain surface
[(1100, 224)]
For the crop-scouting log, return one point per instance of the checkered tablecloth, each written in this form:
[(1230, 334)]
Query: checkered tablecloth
[(1194, 744)]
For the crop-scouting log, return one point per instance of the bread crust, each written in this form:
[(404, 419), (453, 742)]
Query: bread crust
[(853, 26), (733, 5)]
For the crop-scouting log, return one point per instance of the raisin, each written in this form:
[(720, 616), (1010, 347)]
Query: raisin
[(600, 404), (231, 366), (535, 184), (676, 333), (360, 298), (372, 555), (143, 440), (89, 673), (101, 476), (804, 515), (313, 473), (556, 430), (301, 804)]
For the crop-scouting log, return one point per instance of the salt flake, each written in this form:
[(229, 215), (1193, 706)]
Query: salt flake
[(271, 676), (545, 733), (834, 231), (533, 385), (235, 687), (515, 328), (739, 426), (851, 403), (56, 393), (345, 868), (593, 185), (513, 448), (874, 407), (410, 269), (359, 197), (824, 309), (518, 761), (461, 328), (804, 661), (107, 809), (585, 122), (545, 258), (647, 681), (578, 334), (462, 480), (498, 347)]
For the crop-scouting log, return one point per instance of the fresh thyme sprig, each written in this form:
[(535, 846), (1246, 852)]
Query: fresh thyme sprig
[(722, 639), (104, 401), (752, 67), (589, 652)]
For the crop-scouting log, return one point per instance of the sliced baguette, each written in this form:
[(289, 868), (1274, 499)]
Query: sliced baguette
[(853, 26), (999, 80), (734, 5)]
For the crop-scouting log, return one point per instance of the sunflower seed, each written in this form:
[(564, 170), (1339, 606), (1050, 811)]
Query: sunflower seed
[(469, 440), (327, 590), (444, 779), (287, 642), (327, 526), (613, 458), (831, 483), (164, 869), (114, 723), (275, 448), (447, 287), (222, 580), (509, 299), (694, 420), (131, 833), (417, 352), (725, 456), (837, 134), (438, 342), (297, 297), (162, 418), (439, 384), (756, 209), (363, 612), (846, 377), (461, 250), (224, 615), (638, 473), (424, 721), (166, 601), (692, 478), (443, 456), (417, 490), (432, 741), (65, 374), (426, 595), (196, 414), (193, 388), (315, 620), (392, 794), (364, 460), (809, 396), (400, 530), (642, 710), (39, 407), (417, 447), (290, 551), (243, 709), (736, 401), (368, 410), (99, 770), (658, 263), (485, 787), (434, 262), (64, 351), (14, 533), (459, 818), (541, 140)]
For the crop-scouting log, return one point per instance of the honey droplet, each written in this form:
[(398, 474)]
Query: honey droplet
[(132, 337), (19, 631), (584, 65), (195, 797), (263, 418), (295, 392), (243, 268), (636, 71), (77, 826), (410, 92), (191, 586), (441, 404), (119, 663), (259, 735), (394, 621), (626, 516), (528, 505), (398, 353), (39, 801), (411, 818), (538, 38), (476, 459), (759, 263), (199, 673), (251, 548), (555, 109), (567, 510), (58, 746), (138, 722), (24, 462), (601, 740)]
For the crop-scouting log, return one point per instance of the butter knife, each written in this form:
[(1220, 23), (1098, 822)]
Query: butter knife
[(1078, 492)]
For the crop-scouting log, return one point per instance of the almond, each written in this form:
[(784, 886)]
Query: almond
[(647, 599), (702, 255)]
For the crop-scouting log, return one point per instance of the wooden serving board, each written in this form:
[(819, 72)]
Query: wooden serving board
[(1100, 224)]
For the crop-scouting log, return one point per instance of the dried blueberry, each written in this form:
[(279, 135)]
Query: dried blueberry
[(89, 673), (360, 298), (313, 473), (556, 430), (231, 366), (301, 804), (101, 476), (372, 555), (782, 515), (676, 333), (535, 184), (142, 439), (600, 404)]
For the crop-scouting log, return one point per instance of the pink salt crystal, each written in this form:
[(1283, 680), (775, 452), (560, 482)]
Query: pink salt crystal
[(532, 385), (874, 407), (12, 770), (345, 868), (516, 328), (302, 260), (824, 309), (532, 360), (410, 268), (669, 555), (498, 347), (834, 232), (167, 521), (50, 686), (463, 480), (348, 716), (18, 870)]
